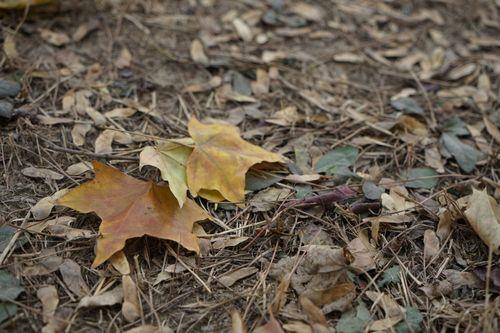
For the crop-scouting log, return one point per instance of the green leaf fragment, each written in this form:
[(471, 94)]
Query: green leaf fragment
[(302, 191), (412, 323), (391, 275), (372, 191), (465, 155), (420, 178), (354, 321), (455, 126), (7, 310), (170, 158), (256, 181), (338, 161), (407, 105), (6, 233), (10, 289)]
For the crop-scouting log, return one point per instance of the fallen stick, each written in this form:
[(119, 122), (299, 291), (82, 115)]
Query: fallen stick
[(363, 207), (341, 193)]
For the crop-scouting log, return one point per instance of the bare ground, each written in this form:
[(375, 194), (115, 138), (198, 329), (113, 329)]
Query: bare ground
[(339, 70)]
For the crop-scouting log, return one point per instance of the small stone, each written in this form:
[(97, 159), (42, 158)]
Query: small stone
[(6, 110), (9, 88)]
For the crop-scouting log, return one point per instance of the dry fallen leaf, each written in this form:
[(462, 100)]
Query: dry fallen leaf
[(79, 168), (433, 159), (43, 207), (483, 214), (9, 47), (221, 159), (222, 243), (492, 129), (270, 56), (438, 289), (48, 264), (39, 226), (79, 132), (130, 308), (72, 277), (445, 224), (229, 279), (313, 312), (329, 295), (214, 82), (133, 208), (60, 227), (348, 57), (49, 298), (412, 125), (286, 117), (383, 325), (307, 11), (41, 173), (97, 117), (237, 325), (103, 143), (386, 302), (243, 30), (431, 244), (120, 263), (54, 38), (272, 326), (298, 327), (320, 275), (479, 139), (120, 113), (461, 71), (280, 296), (150, 329), (107, 298), (48, 120), (459, 279), (395, 209), (268, 198), (198, 54), (261, 85), (363, 253), (124, 60), (84, 29)]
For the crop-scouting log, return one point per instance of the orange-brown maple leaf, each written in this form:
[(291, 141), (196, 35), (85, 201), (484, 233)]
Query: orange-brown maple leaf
[(221, 159), (131, 208)]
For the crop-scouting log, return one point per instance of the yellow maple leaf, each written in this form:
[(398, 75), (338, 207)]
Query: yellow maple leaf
[(220, 160), (130, 208)]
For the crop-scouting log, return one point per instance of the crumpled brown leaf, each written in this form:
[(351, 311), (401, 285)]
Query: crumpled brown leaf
[(483, 214), (72, 276), (320, 275), (363, 253)]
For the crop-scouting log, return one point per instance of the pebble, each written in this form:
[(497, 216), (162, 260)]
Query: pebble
[(9, 88), (6, 109)]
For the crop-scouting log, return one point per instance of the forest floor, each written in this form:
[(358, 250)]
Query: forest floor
[(397, 100)]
